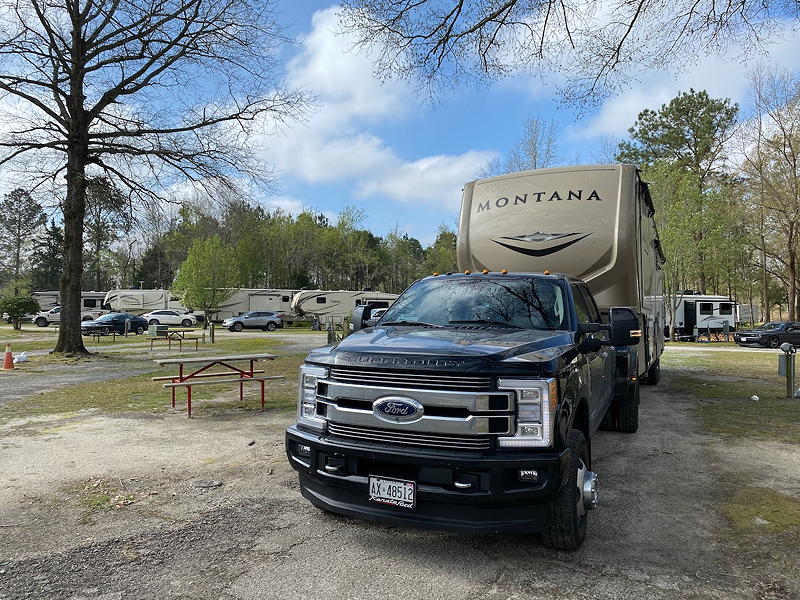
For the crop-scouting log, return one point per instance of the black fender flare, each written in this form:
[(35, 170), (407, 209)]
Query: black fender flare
[(572, 392)]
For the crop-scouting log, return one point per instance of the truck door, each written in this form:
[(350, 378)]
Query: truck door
[(600, 362)]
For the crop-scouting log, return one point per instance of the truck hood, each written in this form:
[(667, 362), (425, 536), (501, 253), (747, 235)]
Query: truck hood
[(456, 347)]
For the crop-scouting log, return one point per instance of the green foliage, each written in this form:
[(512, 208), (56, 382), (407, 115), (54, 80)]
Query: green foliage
[(20, 217), (17, 307), (108, 215), (47, 258), (206, 274)]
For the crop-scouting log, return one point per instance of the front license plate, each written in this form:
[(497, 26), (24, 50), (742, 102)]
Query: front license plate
[(397, 492)]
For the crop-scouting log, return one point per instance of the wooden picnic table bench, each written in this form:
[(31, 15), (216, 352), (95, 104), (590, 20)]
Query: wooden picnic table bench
[(177, 335), (202, 364)]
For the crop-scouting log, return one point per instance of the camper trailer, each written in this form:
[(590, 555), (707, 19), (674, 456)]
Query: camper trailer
[(702, 314), (139, 302), (244, 300), (334, 306), (591, 222), (90, 301)]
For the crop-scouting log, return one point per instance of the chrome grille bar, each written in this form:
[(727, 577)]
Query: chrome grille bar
[(408, 438), (408, 379)]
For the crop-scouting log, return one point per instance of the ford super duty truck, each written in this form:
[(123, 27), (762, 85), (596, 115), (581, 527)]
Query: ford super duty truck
[(470, 406)]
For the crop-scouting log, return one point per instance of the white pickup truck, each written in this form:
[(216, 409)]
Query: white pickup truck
[(45, 317)]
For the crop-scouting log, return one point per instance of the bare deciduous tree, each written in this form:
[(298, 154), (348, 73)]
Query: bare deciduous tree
[(598, 46), (537, 148), (147, 92), (771, 162)]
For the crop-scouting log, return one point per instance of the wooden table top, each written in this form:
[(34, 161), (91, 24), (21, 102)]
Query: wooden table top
[(211, 359)]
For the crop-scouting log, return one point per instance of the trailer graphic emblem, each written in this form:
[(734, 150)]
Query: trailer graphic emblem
[(396, 409), (538, 238)]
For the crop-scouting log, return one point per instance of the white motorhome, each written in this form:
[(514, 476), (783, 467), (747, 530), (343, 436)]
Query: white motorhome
[(334, 306), (90, 301), (139, 302), (244, 300), (699, 314), (590, 222)]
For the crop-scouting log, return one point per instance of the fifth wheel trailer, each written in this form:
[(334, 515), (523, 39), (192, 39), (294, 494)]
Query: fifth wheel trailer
[(139, 302), (591, 222), (244, 300), (698, 314), (334, 306)]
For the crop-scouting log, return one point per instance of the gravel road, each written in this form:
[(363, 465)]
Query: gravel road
[(657, 532)]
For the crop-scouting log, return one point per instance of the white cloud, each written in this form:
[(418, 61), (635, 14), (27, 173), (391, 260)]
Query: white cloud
[(722, 78), (436, 179), (336, 144)]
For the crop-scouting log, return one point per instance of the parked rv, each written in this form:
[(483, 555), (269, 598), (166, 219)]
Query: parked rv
[(139, 302), (592, 222), (334, 306), (471, 405), (90, 301), (244, 300), (698, 314)]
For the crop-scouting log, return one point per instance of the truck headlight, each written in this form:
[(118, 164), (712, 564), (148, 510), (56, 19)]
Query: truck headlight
[(307, 397), (536, 405)]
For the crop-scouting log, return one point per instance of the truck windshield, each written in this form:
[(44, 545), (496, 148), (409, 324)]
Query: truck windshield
[(501, 302)]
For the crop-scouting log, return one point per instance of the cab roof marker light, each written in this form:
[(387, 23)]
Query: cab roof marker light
[(485, 271), (467, 272), (504, 272)]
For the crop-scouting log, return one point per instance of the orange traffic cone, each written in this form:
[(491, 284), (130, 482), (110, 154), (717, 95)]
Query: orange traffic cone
[(8, 361)]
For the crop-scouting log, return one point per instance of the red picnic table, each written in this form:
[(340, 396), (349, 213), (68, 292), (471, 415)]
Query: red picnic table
[(201, 366)]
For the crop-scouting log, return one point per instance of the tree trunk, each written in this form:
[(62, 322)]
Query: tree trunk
[(792, 268), (69, 333)]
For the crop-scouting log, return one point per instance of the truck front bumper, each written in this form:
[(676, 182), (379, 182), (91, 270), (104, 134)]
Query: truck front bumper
[(496, 502)]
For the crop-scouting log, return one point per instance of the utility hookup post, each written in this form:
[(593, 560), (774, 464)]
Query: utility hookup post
[(786, 367)]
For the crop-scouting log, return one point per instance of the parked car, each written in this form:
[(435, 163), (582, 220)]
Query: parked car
[(170, 317), (115, 323), (45, 317), (255, 319), (771, 335)]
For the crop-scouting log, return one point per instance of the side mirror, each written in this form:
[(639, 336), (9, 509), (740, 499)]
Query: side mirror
[(625, 327), (360, 316)]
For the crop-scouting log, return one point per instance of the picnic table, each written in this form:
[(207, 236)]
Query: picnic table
[(194, 371), (177, 335)]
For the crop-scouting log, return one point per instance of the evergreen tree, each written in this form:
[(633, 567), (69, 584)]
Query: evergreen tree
[(20, 218), (47, 258)]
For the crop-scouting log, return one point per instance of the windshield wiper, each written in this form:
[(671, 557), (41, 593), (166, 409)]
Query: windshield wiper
[(418, 323), (488, 322)]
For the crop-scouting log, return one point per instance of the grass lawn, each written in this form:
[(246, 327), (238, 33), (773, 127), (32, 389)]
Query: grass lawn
[(139, 394), (724, 382)]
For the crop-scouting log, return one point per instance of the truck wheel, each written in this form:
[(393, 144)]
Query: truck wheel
[(628, 411), (41, 322), (567, 527), (653, 375)]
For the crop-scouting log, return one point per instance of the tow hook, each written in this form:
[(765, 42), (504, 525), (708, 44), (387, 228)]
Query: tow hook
[(589, 490)]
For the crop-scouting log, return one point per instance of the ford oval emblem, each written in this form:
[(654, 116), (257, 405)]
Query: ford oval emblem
[(395, 409)]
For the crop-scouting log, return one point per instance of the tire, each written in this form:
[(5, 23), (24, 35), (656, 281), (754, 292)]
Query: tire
[(41, 322), (186, 323), (653, 375), (567, 527), (153, 322), (271, 326), (773, 342), (237, 327), (139, 330), (628, 411)]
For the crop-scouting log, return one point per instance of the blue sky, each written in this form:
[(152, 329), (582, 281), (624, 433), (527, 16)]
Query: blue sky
[(382, 148)]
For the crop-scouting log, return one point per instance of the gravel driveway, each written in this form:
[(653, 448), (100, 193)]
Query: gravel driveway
[(656, 534)]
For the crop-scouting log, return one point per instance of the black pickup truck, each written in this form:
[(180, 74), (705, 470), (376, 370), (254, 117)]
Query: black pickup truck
[(469, 406)]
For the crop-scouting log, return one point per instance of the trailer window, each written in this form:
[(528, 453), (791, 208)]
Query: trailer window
[(89, 303), (284, 298), (706, 308), (725, 308), (321, 299)]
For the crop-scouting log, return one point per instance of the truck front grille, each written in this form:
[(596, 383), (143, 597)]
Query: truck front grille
[(412, 379), (410, 439)]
